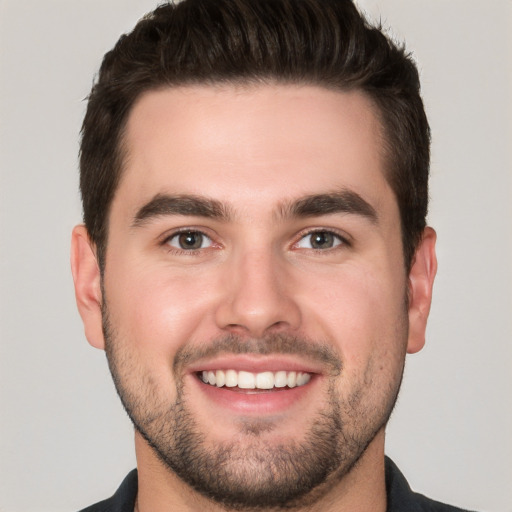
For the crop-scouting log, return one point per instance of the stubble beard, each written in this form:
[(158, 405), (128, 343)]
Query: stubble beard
[(255, 476)]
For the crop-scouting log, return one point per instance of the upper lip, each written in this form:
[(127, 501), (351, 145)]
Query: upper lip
[(256, 364)]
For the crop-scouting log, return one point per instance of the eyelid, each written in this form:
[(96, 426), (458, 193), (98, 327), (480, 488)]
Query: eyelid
[(169, 235), (343, 237)]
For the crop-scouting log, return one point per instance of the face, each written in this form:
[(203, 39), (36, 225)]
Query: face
[(254, 298)]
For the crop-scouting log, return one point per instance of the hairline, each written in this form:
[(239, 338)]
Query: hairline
[(122, 152)]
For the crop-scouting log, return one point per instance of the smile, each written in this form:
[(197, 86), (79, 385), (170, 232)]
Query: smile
[(248, 380)]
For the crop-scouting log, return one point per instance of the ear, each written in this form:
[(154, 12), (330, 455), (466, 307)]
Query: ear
[(87, 279), (421, 281)]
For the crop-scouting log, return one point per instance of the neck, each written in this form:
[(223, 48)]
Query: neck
[(361, 490)]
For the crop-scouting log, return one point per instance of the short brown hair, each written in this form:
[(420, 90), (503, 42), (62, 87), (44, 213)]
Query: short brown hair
[(316, 42)]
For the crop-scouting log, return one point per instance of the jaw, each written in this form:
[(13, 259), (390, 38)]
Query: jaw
[(239, 448), (359, 489)]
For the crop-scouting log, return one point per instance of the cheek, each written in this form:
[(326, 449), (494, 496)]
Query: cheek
[(158, 310), (153, 316), (365, 317), (361, 310)]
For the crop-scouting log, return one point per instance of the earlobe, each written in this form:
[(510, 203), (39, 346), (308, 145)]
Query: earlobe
[(421, 281), (87, 280)]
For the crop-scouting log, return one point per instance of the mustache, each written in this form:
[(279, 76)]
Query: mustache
[(267, 345)]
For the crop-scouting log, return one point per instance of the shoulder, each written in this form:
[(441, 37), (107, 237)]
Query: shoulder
[(402, 499), (123, 499), (428, 505)]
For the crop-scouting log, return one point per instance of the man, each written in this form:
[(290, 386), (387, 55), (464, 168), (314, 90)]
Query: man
[(255, 259)]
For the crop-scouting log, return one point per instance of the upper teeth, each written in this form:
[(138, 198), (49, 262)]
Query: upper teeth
[(248, 380)]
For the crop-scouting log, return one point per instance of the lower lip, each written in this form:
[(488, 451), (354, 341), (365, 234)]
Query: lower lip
[(253, 401)]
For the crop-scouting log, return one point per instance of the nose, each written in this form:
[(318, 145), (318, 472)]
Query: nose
[(257, 296)]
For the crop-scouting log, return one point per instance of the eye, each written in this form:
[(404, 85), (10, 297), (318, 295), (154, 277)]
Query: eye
[(319, 240), (189, 241)]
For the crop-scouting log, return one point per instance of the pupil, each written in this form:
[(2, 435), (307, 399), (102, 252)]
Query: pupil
[(322, 240), (191, 240)]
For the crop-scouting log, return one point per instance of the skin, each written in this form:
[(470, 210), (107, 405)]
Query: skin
[(256, 151)]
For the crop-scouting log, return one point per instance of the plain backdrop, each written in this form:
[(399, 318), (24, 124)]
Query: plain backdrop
[(65, 441)]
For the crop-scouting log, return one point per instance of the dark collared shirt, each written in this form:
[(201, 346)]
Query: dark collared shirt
[(400, 496)]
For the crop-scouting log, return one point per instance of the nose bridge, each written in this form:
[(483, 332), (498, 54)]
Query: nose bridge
[(257, 294)]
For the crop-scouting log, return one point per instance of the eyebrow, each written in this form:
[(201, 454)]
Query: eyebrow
[(344, 201), (186, 205)]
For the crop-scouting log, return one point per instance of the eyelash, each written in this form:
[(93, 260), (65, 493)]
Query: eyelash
[(342, 241), (189, 252)]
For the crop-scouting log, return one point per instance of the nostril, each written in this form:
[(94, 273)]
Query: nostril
[(257, 331)]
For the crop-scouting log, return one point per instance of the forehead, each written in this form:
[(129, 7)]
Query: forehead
[(256, 144)]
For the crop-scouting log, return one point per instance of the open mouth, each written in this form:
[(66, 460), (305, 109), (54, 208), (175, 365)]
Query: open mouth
[(248, 380), (256, 387)]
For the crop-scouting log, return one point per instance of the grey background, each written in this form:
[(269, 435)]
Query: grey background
[(65, 441)]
